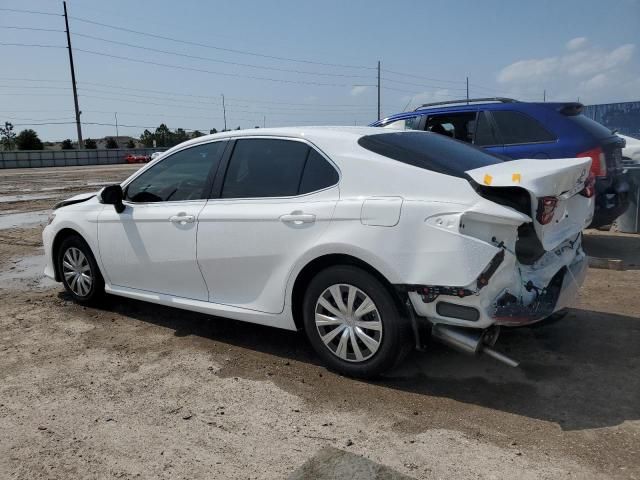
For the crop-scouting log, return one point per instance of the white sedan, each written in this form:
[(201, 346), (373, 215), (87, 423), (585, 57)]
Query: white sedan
[(369, 240)]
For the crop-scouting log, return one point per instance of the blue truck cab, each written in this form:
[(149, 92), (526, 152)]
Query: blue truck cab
[(544, 131)]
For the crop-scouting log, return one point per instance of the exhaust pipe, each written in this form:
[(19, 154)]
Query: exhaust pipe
[(470, 341)]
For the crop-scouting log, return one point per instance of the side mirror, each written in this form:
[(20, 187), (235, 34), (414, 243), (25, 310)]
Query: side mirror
[(112, 195)]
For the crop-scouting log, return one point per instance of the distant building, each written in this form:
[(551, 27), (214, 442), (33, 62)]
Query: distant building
[(623, 117)]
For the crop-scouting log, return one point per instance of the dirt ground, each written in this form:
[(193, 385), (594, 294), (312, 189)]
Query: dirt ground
[(134, 390)]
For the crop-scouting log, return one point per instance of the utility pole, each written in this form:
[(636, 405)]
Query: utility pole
[(544, 95), (467, 90), (73, 78), (378, 89), (264, 121), (224, 113), (117, 134)]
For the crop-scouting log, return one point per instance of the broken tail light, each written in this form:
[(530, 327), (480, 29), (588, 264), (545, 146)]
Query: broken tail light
[(598, 161), (546, 209), (589, 189)]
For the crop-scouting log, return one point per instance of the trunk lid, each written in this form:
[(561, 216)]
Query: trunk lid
[(561, 179)]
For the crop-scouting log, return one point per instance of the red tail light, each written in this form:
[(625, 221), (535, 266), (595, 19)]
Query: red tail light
[(546, 209), (598, 161), (589, 189)]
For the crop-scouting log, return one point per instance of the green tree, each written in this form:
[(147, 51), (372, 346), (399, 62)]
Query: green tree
[(131, 144), (90, 144), (213, 130), (179, 136), (163, 136), (7, 136), (28, 140), (67, 144), (111, 143), (196, 134), (147, 138)]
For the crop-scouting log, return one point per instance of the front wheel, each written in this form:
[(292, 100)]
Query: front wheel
[(79, 271), (353, 323)]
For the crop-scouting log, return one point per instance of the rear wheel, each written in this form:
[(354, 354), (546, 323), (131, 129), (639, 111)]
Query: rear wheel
[(79, 271), (353, 323)]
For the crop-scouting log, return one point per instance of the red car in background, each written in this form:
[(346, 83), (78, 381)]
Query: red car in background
[(130, 158)]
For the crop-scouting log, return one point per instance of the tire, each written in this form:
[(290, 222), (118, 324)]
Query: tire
[(79, 271), (380, 332)]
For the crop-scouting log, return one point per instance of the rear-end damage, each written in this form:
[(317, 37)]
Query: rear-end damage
[(537, 264)]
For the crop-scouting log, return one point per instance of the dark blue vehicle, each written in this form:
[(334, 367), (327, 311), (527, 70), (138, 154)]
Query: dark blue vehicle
[(514, 129)]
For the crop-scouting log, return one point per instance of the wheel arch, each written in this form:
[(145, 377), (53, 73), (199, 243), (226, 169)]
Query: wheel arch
[(313, 267), (60, 237)]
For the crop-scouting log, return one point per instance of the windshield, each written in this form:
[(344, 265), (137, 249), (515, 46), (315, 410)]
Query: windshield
[(430, 151)]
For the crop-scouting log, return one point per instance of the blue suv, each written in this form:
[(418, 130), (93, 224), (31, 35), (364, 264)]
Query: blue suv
[(514, 129)]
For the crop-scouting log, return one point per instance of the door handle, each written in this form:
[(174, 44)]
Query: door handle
[(298, 218), (182, 219)]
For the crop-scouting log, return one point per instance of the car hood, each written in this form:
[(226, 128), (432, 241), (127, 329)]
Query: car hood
[(81, 197)]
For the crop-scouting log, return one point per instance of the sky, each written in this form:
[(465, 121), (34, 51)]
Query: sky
[(282, 63)]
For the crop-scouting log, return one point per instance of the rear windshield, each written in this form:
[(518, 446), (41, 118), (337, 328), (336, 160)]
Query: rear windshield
[(430, 151), (594, 128)]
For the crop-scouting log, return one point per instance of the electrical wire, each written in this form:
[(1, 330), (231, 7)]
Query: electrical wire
[(208, 59), (17, 10), (231, 50), (211, 72)]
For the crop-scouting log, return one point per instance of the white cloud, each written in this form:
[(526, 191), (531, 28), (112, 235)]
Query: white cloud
[(576, 43), (594, 74), (359, 90)]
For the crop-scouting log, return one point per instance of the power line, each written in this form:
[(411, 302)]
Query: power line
[(16, 10), (208, 59), (422, 77), (317, 108), (423, 85), (247, 100), (32, 29), (33, 80), (242, 52), (34, 86), (30, 45), (227, 74)]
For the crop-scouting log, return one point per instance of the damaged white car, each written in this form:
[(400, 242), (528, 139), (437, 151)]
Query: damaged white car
[(370, 241)]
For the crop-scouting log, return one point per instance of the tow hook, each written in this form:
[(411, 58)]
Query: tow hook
[(471, 341)]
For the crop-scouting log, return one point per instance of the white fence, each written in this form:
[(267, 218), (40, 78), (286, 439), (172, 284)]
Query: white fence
[(69, 158)]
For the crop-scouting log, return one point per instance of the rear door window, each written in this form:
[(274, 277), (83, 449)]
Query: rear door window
[(260, 168), (485, 131), (517, 128), (460, 125), (318, 174), (428, 151)]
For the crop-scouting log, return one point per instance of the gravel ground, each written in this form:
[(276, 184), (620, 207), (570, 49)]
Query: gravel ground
[(134, 390)]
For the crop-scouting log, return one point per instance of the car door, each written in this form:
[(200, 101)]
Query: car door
[(275, 200), (151, 245)]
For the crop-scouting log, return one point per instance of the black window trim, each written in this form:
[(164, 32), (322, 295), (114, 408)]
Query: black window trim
[(504, 144), (216, 191), (213, 172)]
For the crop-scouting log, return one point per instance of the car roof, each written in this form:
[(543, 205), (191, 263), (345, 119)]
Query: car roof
[(310, 133), (464, 107)]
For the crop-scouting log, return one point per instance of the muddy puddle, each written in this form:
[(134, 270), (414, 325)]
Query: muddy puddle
[(25, 272), (23, 219), (25, 197)]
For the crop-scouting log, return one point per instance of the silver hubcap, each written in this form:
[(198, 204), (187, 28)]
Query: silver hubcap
[(348, 322), (77, 271)]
